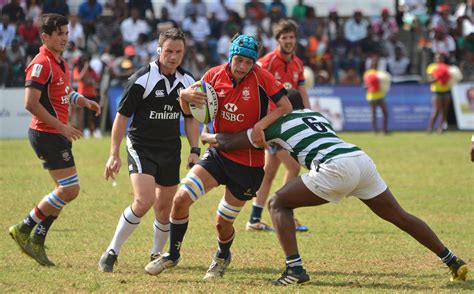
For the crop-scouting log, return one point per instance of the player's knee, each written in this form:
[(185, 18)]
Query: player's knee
[(227, 212), (274, 204), (68, 188), (182, 200), (142, 205), (192, 186), (69, 193)]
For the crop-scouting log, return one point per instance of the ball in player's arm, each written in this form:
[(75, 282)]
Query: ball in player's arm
[(244, 91), (153, 143), (47, 97), (332, 164)]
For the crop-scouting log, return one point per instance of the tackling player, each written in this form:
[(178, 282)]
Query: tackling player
[(153, 142), (244, 91), (48, 96), (288, 69), (336, 170)]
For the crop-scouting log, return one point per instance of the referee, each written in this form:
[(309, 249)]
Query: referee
[(151, 96)]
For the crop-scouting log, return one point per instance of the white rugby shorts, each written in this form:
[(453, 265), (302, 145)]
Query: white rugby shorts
[(345, 176)]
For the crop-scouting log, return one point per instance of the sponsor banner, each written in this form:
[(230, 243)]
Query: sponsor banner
[(409, 107), (463, 101), (14, 118)]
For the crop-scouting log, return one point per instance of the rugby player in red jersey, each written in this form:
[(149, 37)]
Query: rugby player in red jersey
[(48, 95), (288, 69), (244, 91)]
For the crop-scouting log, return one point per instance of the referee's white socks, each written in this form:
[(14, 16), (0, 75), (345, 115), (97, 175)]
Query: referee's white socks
[(160, 236), (128, 222)]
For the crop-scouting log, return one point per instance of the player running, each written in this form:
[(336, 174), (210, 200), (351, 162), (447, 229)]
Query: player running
[(244, 91), (288, 69), (336, 170), (48, 96)]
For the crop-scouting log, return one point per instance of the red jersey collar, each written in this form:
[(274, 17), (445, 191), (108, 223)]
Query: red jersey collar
[(44, 50), (229, 74), (279, 55)]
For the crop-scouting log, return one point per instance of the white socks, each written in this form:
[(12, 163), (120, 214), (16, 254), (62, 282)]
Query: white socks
[(160, 236), (128, 222)]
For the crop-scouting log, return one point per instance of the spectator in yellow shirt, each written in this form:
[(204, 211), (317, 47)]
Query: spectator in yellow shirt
[(377, 83), (439, 76)]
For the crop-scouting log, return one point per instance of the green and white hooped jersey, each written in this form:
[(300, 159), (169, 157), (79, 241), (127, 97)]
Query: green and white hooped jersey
[(309, 136)]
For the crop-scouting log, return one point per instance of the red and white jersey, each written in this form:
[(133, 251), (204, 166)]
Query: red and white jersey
[(51, 77), (242, 105), (290, 74)]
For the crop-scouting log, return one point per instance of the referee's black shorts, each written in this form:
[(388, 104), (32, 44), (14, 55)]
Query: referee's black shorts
[(53, 149), (242, 181), (162, 163)]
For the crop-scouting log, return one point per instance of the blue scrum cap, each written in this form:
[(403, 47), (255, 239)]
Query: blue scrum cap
[(245, 46)]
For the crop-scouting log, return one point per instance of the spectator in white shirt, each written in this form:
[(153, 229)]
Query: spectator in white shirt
[(132, 27), (76, 31), (355, 28), (198, 27), (221, 9), (175, 10), (443, 43), (7, 32), (399, 64)]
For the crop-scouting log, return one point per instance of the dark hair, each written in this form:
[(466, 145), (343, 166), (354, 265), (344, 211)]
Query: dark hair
[(295, 99), (173, 34), (285, 26), (50, 22)]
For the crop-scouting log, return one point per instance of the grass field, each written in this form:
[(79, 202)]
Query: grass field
[(348, 249)]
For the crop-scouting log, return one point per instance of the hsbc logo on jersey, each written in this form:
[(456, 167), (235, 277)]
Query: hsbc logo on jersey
[(231, 107), (230, 114)]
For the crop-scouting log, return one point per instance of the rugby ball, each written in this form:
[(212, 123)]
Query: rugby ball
[(207, 113)]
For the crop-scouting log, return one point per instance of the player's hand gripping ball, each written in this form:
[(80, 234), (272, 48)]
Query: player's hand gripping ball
[(207, 113)]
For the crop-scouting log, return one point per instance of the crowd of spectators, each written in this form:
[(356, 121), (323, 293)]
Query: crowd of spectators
[(121, 36)]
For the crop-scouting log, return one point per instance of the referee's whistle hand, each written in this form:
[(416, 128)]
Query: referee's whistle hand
[(112, 167)]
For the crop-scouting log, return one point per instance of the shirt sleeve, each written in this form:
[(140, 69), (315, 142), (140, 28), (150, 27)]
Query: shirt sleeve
[(272, 87), (131, 97), (38, 74)]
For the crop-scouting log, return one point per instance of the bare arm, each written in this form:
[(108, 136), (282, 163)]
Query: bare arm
[(283, 107), (33, 105), (112, 167), (226, 142), (191, 127)]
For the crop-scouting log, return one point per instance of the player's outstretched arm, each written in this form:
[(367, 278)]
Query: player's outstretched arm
[(226, 142), (191, 127), (112, 167), (80, 100)]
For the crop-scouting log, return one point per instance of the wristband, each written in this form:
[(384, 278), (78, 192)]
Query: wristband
[(73, 97), (196, 150)]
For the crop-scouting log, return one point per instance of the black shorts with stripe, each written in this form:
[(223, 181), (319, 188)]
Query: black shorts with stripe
[(53, 149), (163, 163), (242, 181)]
